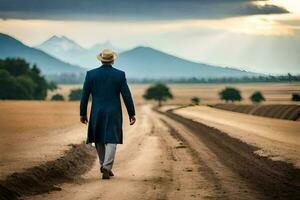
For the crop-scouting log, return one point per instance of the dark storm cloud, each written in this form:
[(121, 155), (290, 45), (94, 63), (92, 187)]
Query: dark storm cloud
[(133, 9)]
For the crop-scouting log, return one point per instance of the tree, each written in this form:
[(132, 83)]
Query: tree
[(295, 97), (158, 92), (40, 92), (52, 86), (195, 100), (57, 97), (75, 94), (230, 94), (257, 97), (10, 88), (19, 81), (28, 84)]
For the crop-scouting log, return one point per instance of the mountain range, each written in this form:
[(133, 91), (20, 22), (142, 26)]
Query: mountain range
[(54, 55), (11, 47), (69, 51)]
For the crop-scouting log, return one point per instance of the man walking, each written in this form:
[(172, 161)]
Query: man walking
[(105, 84)]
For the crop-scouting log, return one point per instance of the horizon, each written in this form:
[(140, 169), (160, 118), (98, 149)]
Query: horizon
[(261, 39)]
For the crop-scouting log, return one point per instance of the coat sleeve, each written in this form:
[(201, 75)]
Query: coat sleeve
[(126, 95), (86, 90)]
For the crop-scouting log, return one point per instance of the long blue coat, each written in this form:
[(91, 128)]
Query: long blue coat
[(105, 84)]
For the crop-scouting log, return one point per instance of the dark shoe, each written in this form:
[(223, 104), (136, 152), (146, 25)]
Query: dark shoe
[(111, 173), (105, 174)]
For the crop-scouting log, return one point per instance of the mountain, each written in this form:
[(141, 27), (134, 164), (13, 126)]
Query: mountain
[(140, 62), (69, 51), (144, 62), (11, 47)]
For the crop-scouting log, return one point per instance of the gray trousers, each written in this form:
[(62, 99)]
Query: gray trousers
[(106, 154)]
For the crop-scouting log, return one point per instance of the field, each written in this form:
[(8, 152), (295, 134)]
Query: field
[(33, 132), (275, 93), (288, 112), (195, 152)]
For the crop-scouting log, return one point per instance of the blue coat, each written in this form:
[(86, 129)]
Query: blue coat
[(105, 84)]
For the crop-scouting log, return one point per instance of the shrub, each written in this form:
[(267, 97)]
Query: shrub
[(257, 97), (195, 100), (295, 97), (75, 94), (57, 97), (230, 94)]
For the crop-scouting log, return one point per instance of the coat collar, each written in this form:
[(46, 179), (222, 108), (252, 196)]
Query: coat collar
[(106, 65)]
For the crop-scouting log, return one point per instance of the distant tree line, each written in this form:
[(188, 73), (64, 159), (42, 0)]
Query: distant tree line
[(66, 78), (79, 78), (254, 79), (18, 80)]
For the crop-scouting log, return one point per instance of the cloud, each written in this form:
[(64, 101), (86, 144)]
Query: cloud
[(133, 9)]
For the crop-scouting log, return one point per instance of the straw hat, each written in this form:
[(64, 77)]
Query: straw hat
[(107, 55)]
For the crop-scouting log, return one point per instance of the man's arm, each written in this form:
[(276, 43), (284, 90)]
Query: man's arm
[(85, 99), (126, 95)]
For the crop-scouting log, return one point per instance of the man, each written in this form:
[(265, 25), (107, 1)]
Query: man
[(105, 84)]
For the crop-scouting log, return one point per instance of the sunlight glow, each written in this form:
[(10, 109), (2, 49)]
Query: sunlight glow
[(291, 5)]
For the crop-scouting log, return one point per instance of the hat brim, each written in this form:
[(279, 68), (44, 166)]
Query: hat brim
[(99, 57)]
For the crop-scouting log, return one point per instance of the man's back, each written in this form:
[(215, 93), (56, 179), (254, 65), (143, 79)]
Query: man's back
[(105, 84)]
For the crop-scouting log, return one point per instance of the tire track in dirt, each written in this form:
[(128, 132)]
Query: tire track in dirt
[(219, 192), (218, 181), (181, 169), (271, 179)]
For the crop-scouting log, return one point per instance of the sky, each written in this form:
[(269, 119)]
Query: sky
[(255, 35)]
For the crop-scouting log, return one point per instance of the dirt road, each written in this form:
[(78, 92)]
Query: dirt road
[(151, 164), (170, 157)]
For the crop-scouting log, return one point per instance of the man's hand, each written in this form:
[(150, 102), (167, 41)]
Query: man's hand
[(132, 120), (84, 119)]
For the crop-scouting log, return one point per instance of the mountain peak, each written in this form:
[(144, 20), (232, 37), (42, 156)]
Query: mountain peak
[(146, 62), (11, 47), (147, 49), (60, 44), (107, 44), (56, 38)]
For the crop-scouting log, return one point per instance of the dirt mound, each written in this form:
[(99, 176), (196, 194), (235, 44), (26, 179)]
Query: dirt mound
[(43, 178), (288, 112)]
